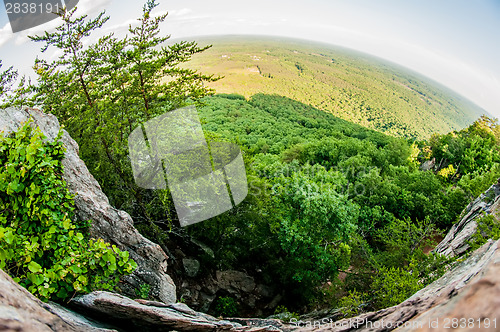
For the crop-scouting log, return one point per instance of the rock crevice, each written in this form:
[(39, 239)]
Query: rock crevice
[(456, 241)]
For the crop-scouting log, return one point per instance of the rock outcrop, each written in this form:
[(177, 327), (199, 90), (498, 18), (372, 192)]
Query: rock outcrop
[(108, 223), (107, 312), (455, 242), (141, 315)]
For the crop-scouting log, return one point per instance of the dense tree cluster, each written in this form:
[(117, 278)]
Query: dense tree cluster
[(333, 196)]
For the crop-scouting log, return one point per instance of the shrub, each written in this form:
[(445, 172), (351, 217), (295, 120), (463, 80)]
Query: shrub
[(351, 304), (394, 285), (488, 227), (226, 307), (42, 246), (285, 315), (143, 291)]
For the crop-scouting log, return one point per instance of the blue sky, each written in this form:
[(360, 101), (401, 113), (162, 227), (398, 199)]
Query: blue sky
[(454, 42)]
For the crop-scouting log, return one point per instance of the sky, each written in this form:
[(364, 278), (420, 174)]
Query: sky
[(454, 42)]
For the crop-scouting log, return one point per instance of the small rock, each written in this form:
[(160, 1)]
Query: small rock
[(191, 266), (428, 165), (235, 282)]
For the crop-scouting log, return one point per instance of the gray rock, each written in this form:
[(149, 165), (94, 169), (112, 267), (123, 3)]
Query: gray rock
[(108, 223), (455, 242), (191, 266), (200, 293), (428, 165), (143, 315), (77, 319), (264, 290), (235, 282), (205, 301)]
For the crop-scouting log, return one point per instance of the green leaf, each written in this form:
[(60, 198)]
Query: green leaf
[(67, 224), (34, 267), (9, 237)]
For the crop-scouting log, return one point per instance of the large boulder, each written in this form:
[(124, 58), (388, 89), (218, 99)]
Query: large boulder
[(21, 311), (456, 241), (108, 312), (108, 223)]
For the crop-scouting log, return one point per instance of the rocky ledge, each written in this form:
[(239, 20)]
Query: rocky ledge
[(456, 241), (104, 311)]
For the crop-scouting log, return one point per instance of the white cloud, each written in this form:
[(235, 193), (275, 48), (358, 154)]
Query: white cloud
[(85, 7), (22, 37), (5, 34), (121, 27), (88, 7), (181, 12)]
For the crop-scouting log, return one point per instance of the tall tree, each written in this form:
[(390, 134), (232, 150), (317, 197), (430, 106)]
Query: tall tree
[(102, 90)]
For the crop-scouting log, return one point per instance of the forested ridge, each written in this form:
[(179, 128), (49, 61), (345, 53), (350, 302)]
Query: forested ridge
[(351, 85), (327, 197)]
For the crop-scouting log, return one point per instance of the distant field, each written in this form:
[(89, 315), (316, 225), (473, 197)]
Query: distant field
[(351, 85)]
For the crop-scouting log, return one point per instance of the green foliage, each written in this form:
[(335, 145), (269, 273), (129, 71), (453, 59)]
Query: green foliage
[(285, 315), (470, 150), (103, 89), (488, 227), (276, 121), (404, 239), (478, 181), (143, 291), (401, 266), (394, 285), (314, 225), (381, 172), (41, 246), (351, 304), (7, 77), (9, 94), (447, 172), (395, 265), (226, 307), (327, 194)]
